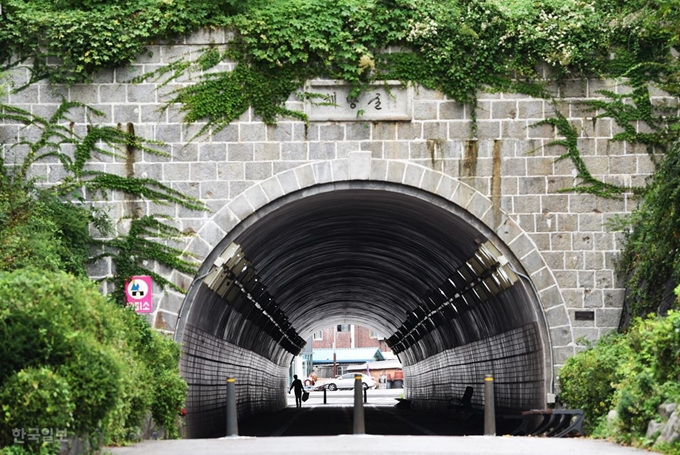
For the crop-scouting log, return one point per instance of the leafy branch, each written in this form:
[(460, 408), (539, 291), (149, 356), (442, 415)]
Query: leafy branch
[(59, 214), (146, 241), (588, 183)]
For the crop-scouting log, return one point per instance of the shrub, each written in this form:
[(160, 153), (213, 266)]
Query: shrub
[(93, 372), (651, 376), (75, 361), (34, 398), (633, 373), (588, 379), (155, 361)]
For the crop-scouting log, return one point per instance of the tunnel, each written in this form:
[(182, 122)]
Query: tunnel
[(450, 297)]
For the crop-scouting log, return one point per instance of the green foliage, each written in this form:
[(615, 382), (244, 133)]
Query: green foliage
[(651, 377), (587, 183), (588, 379), (75, 361), (34, 397), (39, 230), (168, 399), (94, 376), (38, 320), (37, 227), (458, 47), (651, 256), (49, 226), (315, 35), (17, 449), (223, 97), (142, 243), (84, 36), (650, 259), (632, 373), (154, 362)]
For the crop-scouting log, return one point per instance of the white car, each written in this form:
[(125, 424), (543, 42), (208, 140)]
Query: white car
[(346, 381)]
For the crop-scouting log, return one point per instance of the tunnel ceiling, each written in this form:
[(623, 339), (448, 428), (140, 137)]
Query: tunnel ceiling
[(357, 255), (382, 259)]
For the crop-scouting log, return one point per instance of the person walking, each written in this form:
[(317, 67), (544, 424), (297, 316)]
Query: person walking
[(297, 385)]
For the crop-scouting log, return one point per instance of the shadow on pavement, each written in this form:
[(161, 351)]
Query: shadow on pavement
[(325, 420)]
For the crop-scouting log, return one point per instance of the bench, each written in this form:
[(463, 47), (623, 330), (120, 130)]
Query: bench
[(463, 405), (555, 423)]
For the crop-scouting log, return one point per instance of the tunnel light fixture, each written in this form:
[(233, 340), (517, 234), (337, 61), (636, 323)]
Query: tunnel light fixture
[(481, 292), (488, 254), (232, 250), (469, 300), (434, 301), (218, 280), (506, 276), (477, 266), (452, 305), (484, 275), (458, 280), (466, 272), (236, 282)]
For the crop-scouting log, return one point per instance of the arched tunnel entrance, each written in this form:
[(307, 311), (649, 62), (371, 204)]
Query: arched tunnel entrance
[(435, 280)]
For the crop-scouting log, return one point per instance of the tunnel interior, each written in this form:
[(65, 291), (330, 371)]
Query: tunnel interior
[(448, 296)]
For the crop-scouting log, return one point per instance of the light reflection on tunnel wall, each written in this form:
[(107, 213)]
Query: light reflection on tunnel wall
[(366, 256)]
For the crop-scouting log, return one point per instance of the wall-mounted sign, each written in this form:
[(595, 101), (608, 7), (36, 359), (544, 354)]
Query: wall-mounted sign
[(584, 315), (138, 293), (330, 100)]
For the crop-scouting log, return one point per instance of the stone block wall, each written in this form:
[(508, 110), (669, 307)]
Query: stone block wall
[(509, 165)]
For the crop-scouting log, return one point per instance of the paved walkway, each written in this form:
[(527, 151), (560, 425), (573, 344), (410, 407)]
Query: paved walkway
[(378, 445)]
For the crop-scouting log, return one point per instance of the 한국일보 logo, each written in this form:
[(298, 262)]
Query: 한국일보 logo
[(138, 293)]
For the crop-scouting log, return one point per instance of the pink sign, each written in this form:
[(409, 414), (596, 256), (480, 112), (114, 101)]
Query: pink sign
[(138, 293)]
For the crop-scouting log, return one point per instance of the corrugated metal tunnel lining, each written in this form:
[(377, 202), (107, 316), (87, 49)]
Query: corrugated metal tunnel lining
[(409, 266)]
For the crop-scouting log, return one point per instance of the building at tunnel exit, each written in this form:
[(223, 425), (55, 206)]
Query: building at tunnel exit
[(462, 250)]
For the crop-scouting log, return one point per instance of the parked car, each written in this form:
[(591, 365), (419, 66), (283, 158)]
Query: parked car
[(346, 381)]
